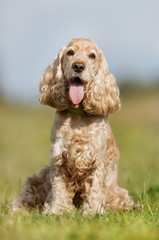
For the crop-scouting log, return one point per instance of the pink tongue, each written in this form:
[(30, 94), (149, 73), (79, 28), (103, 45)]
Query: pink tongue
[(76, 92)]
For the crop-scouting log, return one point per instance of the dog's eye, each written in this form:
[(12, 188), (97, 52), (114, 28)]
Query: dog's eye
[(70, 53), (92, 56)]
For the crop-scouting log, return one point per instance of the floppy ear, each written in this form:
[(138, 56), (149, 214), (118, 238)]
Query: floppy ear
[(112, 99), (102, 96), (52, 85)]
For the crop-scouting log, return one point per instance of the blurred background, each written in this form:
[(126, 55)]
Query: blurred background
[(32, 32)]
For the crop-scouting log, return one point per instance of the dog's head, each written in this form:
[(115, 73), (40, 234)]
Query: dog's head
[(79, 78)]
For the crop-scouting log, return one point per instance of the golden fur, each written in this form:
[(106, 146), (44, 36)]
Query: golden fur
[(84, 155)]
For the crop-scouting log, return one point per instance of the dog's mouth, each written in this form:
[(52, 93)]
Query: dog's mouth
[(76, 90)]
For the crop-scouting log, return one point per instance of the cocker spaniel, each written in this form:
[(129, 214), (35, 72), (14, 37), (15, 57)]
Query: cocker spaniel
[(84, 155)]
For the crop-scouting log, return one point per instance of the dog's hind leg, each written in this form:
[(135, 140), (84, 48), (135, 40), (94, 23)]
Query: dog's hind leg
[(34, 192), (116, 197)]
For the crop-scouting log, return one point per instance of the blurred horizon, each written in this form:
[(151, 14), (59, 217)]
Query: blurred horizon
[(32, 32)]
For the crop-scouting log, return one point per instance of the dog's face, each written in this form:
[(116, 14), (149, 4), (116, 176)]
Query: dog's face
[(80, 64), (79, 78)]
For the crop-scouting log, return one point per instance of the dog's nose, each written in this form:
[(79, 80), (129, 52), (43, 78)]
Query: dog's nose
[(78, 67)]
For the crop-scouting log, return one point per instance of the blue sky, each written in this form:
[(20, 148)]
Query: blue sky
[(33, 31)]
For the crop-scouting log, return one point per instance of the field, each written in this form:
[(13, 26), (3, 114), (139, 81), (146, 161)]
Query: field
[(25, 148)]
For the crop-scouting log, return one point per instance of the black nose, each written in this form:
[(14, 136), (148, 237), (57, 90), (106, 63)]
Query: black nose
[(78, 67)]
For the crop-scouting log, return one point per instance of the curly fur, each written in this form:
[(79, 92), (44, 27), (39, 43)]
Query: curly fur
[(84, 155)]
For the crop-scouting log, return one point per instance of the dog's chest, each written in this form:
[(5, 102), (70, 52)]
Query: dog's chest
[(79, 142)]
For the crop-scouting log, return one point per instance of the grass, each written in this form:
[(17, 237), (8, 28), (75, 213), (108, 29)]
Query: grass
[(25, 148)]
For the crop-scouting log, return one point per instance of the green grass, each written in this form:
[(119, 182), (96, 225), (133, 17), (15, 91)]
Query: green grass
[(25, 148)]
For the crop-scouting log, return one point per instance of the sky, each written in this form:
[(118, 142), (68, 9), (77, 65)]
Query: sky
[(33, 31)]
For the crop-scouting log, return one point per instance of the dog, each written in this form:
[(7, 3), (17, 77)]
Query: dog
[(84, 155)]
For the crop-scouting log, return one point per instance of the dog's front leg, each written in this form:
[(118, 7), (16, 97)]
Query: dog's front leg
[(94, 195), (60, 197)]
